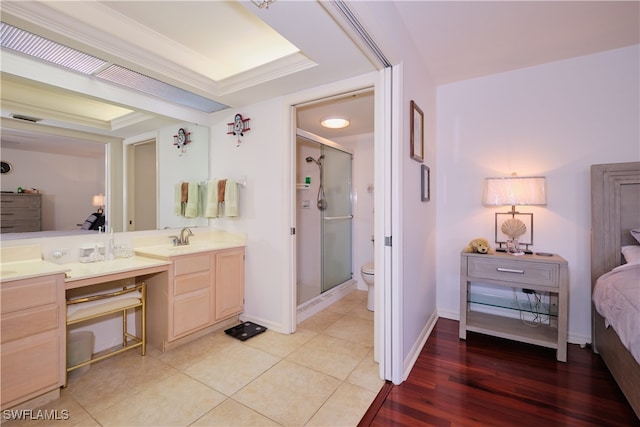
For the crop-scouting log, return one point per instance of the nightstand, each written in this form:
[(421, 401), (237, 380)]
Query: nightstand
[(525, 273)]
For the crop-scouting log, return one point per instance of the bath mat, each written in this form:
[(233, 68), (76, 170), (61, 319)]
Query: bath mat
[(245, 330)]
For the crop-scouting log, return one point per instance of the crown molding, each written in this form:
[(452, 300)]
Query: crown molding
[(8, 123), (273, 70), (50, 114), (53, 21)]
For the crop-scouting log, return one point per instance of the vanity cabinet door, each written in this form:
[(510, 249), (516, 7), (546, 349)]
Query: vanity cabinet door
[(229, 283), (32, 354), (191, 313)]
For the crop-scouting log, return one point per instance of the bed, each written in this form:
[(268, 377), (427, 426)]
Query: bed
[(615, 211)]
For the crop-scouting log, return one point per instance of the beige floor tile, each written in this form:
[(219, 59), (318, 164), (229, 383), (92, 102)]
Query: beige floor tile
[(347, 303), (345, 407), (322, 352), (366, 374), (288, 393), (320, 321), (232, 413), (111, 379), (228, 370), (280, 345), (177, 400), (362, 312), (188, 354), (66, 412), (352, 329)]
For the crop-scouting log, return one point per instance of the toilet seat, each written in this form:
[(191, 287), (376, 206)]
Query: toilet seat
[(367, 268)]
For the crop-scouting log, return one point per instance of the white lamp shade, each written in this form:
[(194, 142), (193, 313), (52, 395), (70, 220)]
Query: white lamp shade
[(98, 200), (515, 190)]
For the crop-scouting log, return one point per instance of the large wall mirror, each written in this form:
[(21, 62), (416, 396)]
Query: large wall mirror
[(72, 146)]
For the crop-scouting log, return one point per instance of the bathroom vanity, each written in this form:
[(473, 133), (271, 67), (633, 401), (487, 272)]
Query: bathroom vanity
[(203, 289), (191, 290), (33, 337)]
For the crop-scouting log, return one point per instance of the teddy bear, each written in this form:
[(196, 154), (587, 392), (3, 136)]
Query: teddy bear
[(480, 246)]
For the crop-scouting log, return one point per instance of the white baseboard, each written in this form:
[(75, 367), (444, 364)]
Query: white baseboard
[(418, 345)]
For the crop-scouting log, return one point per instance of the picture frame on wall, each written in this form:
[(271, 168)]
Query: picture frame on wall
[(416, 133), (425, 183)]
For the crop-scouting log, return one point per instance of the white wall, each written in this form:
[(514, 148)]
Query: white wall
[(174, 166), (263, 158), (67, 184), (414, 236), (553, 120), (418, 227)]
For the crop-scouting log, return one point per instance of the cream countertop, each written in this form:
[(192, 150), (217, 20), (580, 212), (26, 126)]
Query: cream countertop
[(25, 262), (168, 251), (86, 270)]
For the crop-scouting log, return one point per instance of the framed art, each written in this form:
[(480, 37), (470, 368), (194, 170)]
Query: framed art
[(417, 132), (425, 183), (527, 219)]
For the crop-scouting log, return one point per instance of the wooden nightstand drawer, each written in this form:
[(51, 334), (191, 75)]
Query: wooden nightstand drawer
[(538, 273)]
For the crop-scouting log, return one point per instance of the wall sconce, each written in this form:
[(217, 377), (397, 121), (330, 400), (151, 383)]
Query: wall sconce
[(98, 201), (515, 228)]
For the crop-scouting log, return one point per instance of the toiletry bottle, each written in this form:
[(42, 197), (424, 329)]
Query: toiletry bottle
[(110, 248)]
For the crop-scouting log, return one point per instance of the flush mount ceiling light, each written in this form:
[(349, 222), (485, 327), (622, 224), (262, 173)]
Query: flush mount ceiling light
[(47, 50), (335, 122)]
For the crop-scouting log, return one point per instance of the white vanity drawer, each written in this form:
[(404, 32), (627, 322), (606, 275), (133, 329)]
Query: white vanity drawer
[(538, 273)]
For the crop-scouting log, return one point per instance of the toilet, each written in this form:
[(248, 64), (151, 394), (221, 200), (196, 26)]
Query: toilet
[(367, 274)]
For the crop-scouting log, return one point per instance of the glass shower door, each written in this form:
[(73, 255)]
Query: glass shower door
[(337, 218)]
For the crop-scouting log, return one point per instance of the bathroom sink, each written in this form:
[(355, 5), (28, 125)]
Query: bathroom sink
[(168, 250)]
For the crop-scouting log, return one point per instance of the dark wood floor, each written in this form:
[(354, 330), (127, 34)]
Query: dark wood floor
[(486, 381)]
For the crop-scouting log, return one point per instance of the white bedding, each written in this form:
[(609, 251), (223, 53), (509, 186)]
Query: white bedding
[(616, 297)]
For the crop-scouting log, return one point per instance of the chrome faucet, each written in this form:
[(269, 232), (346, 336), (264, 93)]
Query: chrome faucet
[(183, 240)]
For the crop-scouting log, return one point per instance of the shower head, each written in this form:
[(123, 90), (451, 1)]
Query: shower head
[(317, 162)]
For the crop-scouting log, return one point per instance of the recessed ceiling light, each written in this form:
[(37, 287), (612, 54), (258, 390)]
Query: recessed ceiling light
[(335, 122)]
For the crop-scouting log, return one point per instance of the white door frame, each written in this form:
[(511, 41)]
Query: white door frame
[(387, 339)]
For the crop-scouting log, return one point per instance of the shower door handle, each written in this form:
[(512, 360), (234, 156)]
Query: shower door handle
[(338, 217)]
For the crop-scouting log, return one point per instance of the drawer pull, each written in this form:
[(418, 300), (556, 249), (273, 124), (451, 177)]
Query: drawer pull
[(510, 270)]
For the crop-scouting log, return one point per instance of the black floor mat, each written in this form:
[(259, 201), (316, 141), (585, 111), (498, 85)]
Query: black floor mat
[(245, 330)]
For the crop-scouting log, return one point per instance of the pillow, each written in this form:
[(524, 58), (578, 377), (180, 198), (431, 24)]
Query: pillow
[(635, 232), (631, 254)]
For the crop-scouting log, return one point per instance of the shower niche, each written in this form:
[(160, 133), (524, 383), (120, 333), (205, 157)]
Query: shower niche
[(324, 216)]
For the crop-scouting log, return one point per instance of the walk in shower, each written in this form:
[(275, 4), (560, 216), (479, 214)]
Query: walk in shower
[(324, 216)]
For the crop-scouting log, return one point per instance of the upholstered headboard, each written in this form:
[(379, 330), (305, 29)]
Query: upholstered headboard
[(615, 210)]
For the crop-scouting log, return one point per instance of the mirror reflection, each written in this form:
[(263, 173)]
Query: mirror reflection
[(65, 158)]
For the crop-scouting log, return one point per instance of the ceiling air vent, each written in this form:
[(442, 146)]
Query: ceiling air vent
[(26, 118)]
